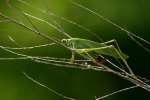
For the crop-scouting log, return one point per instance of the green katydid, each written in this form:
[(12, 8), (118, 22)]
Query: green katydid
[(84, 46)]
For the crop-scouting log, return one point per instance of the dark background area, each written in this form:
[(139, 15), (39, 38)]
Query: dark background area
[(84, 85)]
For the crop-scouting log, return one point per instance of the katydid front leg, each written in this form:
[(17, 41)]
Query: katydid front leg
[(72, 59)]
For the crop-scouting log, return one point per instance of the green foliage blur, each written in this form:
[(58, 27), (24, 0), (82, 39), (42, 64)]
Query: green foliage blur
[(81, 84)]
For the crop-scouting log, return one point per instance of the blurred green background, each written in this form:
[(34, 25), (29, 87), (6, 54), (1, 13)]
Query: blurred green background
[(83, 85)]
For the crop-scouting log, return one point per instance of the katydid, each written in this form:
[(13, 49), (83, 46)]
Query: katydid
[(84, 47)]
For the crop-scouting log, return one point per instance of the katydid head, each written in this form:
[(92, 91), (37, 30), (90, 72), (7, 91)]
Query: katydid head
[(67, 43)]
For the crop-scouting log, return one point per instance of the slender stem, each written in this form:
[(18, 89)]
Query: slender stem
[(31, 47), (132, 79), (116, 92), (50, 89)]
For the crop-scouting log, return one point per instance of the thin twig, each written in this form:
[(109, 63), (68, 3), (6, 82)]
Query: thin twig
[(116, 92), (46, 87), (32, 47), (52, 61)]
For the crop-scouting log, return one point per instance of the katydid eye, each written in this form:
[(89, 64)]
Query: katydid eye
[(65, 41)]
